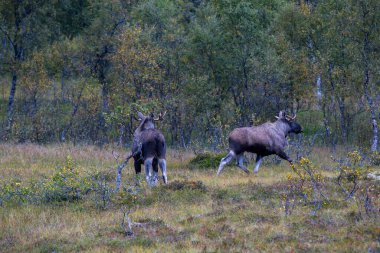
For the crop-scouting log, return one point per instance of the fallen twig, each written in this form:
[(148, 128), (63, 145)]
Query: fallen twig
[(127, 224)]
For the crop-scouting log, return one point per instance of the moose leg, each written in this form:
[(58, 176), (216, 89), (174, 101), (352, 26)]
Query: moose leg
[(148, 165), (225, 161), (137, 165), (155, 171), (259, 159), (162, 163), (284, 156), (240, 159)]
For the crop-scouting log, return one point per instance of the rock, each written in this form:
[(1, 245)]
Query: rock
[(374, 175)]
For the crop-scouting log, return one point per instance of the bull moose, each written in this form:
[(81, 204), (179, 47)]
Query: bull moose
[(149, 148), (266, 139)]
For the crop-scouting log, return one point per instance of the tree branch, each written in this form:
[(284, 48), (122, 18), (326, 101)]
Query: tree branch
[(8, 36), (119, 169)]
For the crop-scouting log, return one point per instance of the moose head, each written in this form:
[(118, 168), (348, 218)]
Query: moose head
[(147, 122), (290, 121)]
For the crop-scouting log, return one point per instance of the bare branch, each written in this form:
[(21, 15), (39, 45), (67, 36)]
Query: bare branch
[(127, 230), (8, 36), (119, 169)]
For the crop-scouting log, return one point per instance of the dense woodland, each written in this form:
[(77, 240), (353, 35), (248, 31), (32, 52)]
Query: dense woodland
[(78, 71)]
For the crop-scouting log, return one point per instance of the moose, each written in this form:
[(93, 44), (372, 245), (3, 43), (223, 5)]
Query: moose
[(149, 148), (266, 139)]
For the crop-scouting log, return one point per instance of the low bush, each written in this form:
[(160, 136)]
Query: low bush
[(206, 161), (309, 188), (375, 158), (68, 183), (190, 185)]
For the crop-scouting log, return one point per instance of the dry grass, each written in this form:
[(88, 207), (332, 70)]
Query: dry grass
[(237, 213)]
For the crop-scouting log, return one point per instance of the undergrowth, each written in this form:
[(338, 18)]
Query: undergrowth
[(281, 209), (206, 161)]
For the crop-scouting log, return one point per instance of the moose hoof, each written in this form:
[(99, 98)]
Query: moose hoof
[(246, 171), (154, 181)]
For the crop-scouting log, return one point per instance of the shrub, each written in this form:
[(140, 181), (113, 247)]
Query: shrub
[(177, 185), (68, 183), (206, 161), (375, 158), (353, 183), (15, 191), (102, 188), (304, 186)]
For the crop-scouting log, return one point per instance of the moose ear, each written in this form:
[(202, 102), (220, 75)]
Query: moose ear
[(141, 116)]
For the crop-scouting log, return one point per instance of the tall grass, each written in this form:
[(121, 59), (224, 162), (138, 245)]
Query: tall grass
[(233, 212)]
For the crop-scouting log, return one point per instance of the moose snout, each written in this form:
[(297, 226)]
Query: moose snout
[(299, 130)]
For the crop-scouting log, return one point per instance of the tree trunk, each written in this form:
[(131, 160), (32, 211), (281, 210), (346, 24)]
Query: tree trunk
[(73, 113), (122, 134), (63, 76), (319, 89), (11, 102), (343, 119), (372, 109), (322, 106), (101, 66), (367, 92)]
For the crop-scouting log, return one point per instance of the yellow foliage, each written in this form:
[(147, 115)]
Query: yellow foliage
[(305, 8), (137, 60), (35, 77)]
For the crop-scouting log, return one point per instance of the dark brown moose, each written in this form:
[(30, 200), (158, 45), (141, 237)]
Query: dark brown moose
[(266, 139), (149, 148)]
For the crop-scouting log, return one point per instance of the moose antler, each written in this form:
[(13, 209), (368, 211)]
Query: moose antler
[(291, 118), (282, 115), (160, 116)]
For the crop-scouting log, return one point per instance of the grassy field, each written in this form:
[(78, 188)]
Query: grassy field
[(195, 212)]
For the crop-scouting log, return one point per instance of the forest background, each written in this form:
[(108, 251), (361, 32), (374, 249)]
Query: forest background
[(78, 71)]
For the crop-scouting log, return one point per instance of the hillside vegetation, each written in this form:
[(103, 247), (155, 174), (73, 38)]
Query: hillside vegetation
[(78, 71)]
